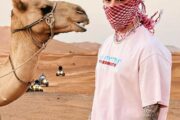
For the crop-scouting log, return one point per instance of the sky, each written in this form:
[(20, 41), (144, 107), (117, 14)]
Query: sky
[(167, 30)]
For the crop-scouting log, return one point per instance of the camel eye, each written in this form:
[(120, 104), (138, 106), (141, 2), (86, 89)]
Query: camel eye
[(46, 10)]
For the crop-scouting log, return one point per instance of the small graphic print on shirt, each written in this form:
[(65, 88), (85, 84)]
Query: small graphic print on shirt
[(109, 60)]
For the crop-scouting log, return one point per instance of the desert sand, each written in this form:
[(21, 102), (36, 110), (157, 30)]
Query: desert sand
[(69, 97)]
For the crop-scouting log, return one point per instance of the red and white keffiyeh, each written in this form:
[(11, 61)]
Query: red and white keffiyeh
[(122, 15)]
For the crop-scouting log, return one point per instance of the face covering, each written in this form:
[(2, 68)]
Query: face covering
[(121, 15)]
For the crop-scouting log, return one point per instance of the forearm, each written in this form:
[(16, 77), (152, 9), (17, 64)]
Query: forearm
[(151, 112)]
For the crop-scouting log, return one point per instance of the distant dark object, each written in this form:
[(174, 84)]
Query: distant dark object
[(60, 71), (73, 64), (60, 68), (37, 82)]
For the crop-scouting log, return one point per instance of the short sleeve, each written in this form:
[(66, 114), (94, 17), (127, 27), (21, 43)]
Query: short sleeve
[(155, 80)]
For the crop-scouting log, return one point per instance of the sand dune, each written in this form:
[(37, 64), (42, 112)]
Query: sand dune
[(56, 52), (87, 45), (69, 97), (57, 47), (54, 46), (5, 37)]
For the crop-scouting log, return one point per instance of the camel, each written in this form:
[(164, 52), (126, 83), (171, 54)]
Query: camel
[(33, 24)]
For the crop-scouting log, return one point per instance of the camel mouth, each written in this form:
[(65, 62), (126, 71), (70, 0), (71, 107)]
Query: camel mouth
[(56, 33), (82, 25)]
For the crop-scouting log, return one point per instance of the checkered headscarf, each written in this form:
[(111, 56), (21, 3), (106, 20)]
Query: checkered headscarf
[(122, 15)]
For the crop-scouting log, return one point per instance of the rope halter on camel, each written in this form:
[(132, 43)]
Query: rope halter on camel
[(50, 20)]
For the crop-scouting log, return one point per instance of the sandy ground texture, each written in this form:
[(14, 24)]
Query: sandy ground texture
[(69, 97)]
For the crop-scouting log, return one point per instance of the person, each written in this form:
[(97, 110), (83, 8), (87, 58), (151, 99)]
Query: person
[(37, 82), (42, 77), (60, 68), (133, 71)]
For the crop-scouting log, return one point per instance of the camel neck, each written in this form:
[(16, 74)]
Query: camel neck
[(21, 42), (22, 48)]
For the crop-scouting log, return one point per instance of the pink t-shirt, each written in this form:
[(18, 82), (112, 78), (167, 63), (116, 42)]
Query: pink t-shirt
[(131, 75)]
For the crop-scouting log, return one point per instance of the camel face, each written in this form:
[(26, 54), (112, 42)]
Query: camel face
[(68, 17)]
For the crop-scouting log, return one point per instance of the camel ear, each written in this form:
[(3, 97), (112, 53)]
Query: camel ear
[(20, 5)]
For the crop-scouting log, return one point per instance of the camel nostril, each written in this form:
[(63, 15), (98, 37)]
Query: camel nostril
[(80, 10)]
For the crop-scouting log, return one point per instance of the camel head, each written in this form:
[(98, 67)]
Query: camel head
[(68, 17)]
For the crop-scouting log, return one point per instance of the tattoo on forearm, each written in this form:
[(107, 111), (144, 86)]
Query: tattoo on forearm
[(151, 112)]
